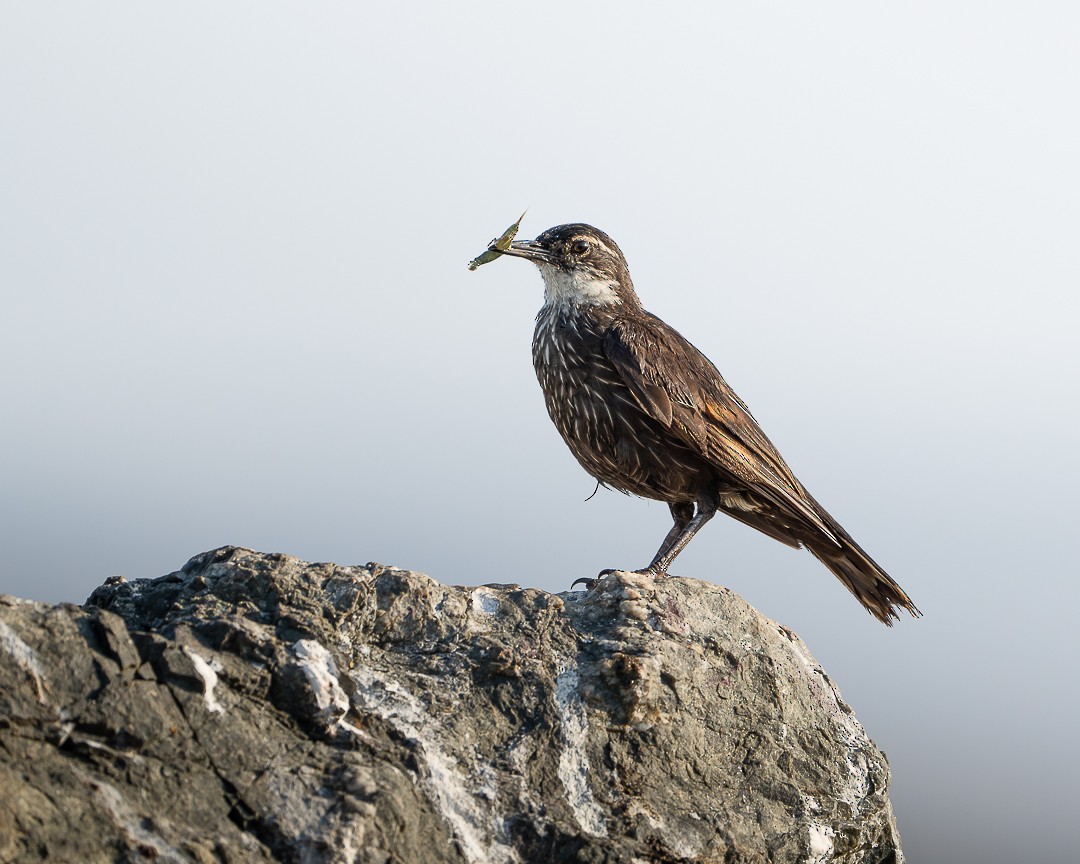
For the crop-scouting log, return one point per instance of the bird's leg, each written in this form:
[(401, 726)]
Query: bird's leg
[(683, 514), (672, 546)]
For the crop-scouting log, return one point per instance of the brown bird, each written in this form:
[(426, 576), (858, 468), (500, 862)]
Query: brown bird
[(645, 412)]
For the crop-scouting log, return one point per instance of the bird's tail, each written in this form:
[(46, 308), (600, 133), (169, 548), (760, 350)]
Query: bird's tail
[(862, 576)]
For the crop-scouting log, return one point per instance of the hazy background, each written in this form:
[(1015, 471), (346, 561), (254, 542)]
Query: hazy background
[(235, 309)]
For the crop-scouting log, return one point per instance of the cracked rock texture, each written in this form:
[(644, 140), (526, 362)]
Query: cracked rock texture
[(255, 707)]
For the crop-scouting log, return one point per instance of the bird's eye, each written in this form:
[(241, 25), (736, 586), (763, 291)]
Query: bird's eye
[(581, 247)]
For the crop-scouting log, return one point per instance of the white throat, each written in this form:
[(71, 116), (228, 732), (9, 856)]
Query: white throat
[(565, 288)]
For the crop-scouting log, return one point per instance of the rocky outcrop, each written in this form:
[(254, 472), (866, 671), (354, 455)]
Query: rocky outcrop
[(255, 707)]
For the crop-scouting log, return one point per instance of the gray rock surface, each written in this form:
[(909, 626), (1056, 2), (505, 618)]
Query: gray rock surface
[(254, 707)]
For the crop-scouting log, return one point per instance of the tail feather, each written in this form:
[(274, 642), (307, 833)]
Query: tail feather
[(863, 577), (833, 547)]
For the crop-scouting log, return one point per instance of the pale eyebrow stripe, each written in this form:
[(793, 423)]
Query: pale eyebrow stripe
[(595, 240)]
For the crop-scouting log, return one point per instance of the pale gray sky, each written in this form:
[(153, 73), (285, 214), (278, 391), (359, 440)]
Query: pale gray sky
[(235, 309)]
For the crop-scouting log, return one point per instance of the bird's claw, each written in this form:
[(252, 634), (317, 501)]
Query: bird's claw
[(591, 583)]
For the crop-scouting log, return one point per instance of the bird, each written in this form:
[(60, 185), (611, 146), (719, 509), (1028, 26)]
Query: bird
[(646, 413)]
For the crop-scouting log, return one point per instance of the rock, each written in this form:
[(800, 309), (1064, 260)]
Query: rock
[(254, 707)]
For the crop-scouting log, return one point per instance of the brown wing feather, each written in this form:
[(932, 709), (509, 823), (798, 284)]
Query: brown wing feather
[(676, 385)]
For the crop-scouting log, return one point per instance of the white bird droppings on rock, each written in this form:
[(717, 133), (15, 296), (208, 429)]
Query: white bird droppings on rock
[(484, 602), (322, 676), (207, 670), (821, 844)]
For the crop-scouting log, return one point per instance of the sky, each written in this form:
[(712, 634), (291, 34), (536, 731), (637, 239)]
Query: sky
[(235, 309)]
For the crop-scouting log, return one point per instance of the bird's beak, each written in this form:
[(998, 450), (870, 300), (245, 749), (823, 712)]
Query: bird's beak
[(530, 250)]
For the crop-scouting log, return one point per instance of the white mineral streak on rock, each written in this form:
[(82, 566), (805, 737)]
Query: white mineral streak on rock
[(207, 670), (322, 676), (24, 658), (573, 762), (851, 731), (132, 824), (464, 805), (684, 847)]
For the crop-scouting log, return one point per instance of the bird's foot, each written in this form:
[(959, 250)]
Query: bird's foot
[(591, 583)]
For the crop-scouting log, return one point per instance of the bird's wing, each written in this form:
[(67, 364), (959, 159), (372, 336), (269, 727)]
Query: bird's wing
[(676, 385)]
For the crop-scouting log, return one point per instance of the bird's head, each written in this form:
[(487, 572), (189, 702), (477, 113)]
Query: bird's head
[(581, 266)]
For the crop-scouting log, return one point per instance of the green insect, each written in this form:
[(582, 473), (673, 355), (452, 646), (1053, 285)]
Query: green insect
[(497, 246)]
